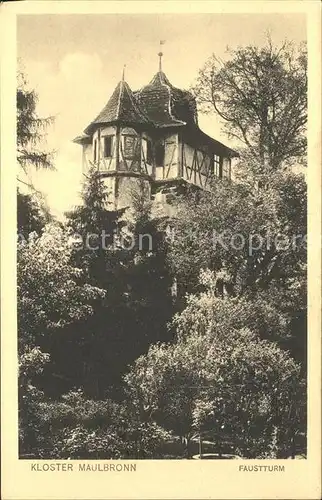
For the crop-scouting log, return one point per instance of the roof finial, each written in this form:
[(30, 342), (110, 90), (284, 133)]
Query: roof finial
[(160, 54), (123, 73)]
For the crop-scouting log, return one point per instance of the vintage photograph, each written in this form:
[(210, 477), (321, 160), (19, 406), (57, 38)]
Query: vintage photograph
[(162, 236)]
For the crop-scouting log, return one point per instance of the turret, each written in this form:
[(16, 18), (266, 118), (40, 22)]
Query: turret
[(152, 136), (117, 143)]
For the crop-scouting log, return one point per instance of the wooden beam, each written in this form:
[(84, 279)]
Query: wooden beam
[(180, 156), (200, 165), (99, 148), (220, 166), (193, 167), (153, 158), (112, 154), (144, 158), (173, 151), (212, 165), (185, 162), (140, 149), (117, 148)]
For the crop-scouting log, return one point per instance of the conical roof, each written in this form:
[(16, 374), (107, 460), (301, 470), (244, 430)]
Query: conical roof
[(166, 105), (158, 104), (121, 107)]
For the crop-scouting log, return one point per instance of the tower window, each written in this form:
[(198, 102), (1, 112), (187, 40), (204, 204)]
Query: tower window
[(159, 154), (107, 146)]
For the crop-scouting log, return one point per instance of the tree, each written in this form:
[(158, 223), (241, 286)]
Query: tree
[(51, 294), (219, 380), (148, 272), (163, 385), (32, 214), (76, 427), (261, 96), (32, 211), (138, 302), (30, 129), (209, 310), (31, 364), (257, 239), (97, 228), (104, 341), (207, 314)]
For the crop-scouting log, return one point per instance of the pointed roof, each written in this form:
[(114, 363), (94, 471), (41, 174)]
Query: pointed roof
[(158, 104), (166, 105), (121, 107)]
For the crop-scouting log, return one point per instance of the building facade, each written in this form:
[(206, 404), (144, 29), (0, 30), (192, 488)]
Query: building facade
[(152, 136)]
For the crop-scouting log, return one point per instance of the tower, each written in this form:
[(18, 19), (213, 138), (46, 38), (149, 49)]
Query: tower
[(151, 136)]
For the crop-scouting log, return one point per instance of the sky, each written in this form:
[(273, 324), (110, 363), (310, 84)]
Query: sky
[(75, 61)]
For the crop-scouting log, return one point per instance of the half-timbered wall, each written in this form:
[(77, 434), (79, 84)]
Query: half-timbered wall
[(167, 157), (107, 159), (103, 158), (135, 152), (196, 165), (147, 155), (171, 157), (159, 147)]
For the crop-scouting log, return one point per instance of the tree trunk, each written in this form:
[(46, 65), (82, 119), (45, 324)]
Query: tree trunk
[(185, 443), (293, 446), (200, 446), (219, 449)]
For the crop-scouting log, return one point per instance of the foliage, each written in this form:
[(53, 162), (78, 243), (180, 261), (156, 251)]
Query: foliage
[(76, 427), (257, 239), (94, 296), (97, 229), (104, 344), (50, 297), (148, 273), (206, 311), (222, 381), (163, 384), (32, 215), (49, 293), (30, 129), (137, 304), (31, 363), (260, 93)]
